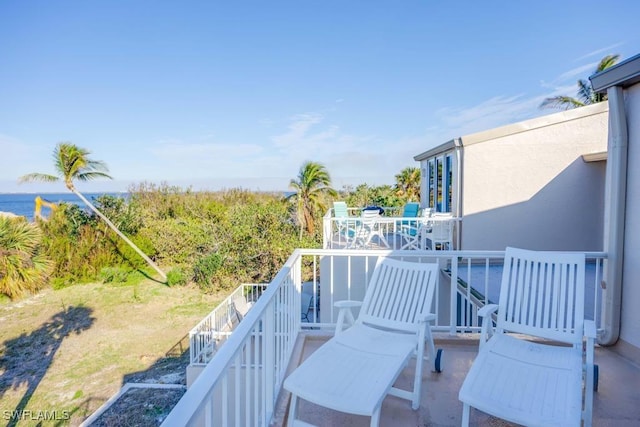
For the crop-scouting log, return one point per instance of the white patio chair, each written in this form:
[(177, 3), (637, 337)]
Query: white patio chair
[(346, 225), (367, 228), (439, 232), (306, 306), (356, 369), (411, 233), (535, 378)]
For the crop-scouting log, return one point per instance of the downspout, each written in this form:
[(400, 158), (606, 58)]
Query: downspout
[(457, 143), (615, 208)]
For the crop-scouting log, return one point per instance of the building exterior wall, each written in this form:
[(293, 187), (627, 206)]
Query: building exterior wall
[(527, 185), (630, 315), (533, 189)]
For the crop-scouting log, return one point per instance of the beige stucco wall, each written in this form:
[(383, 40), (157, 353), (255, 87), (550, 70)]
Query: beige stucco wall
[(527, 185), (630, 315)]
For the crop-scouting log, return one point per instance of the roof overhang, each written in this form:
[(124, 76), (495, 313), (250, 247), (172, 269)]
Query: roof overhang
[(595, 157), (624, 74), (447, 146)]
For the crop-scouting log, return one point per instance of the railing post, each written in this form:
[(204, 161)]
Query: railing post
[(268, 362), (453, 309), (327, 232)]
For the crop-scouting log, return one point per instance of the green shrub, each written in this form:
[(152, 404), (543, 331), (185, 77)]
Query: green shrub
[(125, 216), (176, 277), (78, 245), (205, 268), (114, 275), (129, 255), (62, 282), (23, 268)]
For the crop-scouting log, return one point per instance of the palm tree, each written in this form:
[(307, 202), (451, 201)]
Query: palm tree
[(312, 184), (22, 268), (408, 184), (586, 94), (73, 163)]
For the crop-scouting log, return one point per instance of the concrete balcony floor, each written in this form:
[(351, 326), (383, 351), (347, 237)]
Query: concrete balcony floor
[(616, 403)]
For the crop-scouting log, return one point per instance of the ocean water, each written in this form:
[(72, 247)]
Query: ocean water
[(24, 204)]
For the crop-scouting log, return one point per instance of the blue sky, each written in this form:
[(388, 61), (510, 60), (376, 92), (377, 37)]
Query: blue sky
[(221, 94)]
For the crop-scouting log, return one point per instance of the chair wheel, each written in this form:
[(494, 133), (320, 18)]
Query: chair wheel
[(438, 362), (596, 375)]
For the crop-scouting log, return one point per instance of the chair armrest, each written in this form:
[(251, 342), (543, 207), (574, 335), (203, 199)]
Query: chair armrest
[(347, 304), (487, 323), (428, 317), (487, 310), (345, 314)]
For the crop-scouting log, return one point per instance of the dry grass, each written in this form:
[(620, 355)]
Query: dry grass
[(64, 353)]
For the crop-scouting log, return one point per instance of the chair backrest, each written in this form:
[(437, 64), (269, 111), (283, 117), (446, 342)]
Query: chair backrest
[(369, 217), (340, 210), (306, 304), (542, 294), (410, 210), (398, 294), (442, 230)]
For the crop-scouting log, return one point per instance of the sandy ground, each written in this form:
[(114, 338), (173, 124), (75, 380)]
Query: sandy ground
[(64, 353)]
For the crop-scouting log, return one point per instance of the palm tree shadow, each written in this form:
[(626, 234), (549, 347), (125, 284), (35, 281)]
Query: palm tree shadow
[(25, 360), (170, 368)]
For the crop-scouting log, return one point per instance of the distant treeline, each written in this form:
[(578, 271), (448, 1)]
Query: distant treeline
[(216, 240)]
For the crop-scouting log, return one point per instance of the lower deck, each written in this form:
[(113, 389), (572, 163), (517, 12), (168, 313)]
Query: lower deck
[(616, 403)]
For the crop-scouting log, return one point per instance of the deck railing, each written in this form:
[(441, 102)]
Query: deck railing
[(207, 336), (241, 383), (341, 232)]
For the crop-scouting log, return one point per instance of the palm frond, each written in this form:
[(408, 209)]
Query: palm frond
[(561, 102), (607, 62), (88, 176), (586, 94), (39, 177)]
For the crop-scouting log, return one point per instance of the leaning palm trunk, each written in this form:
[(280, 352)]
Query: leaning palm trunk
[(119, 233)]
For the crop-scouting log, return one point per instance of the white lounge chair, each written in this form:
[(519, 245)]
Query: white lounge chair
[(356, 369), (536, 381)]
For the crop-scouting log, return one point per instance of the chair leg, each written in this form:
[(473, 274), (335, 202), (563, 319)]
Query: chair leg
[(417, 381), (375, 418), (292, 410), (465, 415), (432, 350)]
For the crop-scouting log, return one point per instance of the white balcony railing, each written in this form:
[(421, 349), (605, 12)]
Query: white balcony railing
[(241, 383), (207, 336), (337, 233)]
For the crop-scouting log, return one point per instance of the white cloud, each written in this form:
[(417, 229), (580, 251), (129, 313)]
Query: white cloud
[(298, 129), (577, 73), (494, 112), (600, 53)]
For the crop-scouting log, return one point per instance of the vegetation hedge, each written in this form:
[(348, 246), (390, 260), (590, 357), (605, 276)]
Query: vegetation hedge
[(214, 239)]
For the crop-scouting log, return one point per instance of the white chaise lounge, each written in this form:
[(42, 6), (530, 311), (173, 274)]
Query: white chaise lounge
[(546, 379), (357, 368)]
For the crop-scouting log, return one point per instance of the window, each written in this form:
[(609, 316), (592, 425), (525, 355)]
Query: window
[(432, 183), (440, 183)]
